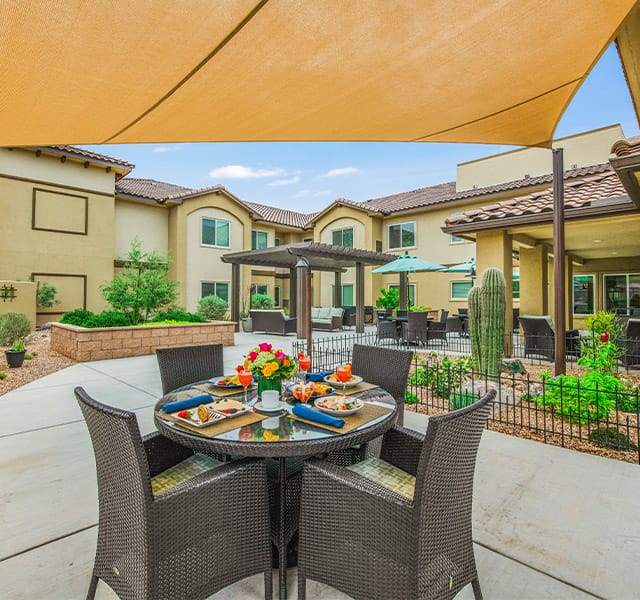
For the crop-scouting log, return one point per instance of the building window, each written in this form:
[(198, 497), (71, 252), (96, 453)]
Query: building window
[(343, 237), (215, 233), (460, 289), (259, 288), (259, 239), (515, 288), (347, 295), (276, 296), (584, 294), (402, 235), (276, 242), (411, 289), (215, 288), (622, 293)]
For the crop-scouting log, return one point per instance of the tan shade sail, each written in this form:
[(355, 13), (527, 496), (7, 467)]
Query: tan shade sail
[(97, 71)]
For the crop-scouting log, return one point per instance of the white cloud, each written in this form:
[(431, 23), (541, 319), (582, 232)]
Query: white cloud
[(341, 171), (242, 172), (174, 148), (322, 193), (301, 194), (279, 182)]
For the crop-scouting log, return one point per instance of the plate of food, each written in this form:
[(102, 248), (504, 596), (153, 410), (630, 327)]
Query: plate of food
[(201, 416), (309, 391), (336, 383), (227, 382), (229, 408), (339, 406)]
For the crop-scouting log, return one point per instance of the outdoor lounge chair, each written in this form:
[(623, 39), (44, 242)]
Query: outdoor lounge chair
[(273, 321), (172, 524), (188, 364), (415, 329), (631, 343), (539, 337), (437, 330), (403, 527)]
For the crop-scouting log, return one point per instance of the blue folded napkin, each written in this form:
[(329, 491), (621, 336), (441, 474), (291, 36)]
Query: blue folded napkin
[(306, 412), (186, 404), (318, 377)]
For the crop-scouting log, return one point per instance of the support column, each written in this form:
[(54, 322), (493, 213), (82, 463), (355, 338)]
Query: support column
[(559, 276), (534, 280), (359, 298), (302, 300), (293, 292), (568, 291), (235, 295), (495, 249), (337, 289), (404, 292)]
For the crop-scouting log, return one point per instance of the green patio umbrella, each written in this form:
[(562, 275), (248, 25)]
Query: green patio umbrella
[(408, 264), (465, 267)]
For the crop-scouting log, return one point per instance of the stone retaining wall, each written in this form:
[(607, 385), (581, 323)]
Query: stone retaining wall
[(102, 343)]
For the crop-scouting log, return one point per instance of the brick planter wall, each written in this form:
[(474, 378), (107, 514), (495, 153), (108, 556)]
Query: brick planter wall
[(118, 342)]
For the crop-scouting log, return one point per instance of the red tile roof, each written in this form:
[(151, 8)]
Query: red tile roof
[(280, 216), (149, 188), (581, 193), (625, 147), (87, 154)]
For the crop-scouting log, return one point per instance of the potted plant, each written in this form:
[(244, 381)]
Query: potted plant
[(15, 355), (245, 319), (389, 299)]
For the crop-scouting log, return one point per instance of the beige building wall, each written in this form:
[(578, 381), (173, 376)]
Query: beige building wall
[(24, 301), (581, 150), (149, 223), (62, 230)]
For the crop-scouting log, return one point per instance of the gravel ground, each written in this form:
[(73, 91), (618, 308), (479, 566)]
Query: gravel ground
[(44, 362)]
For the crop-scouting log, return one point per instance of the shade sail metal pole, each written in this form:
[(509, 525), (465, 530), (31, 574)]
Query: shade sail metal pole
[(301, 298), (558, 262), (337, 290), (359, 298), (307, 308), (293, 292)]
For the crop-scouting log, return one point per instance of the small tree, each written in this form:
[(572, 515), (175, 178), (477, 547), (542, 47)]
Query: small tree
[(213, 308), (262, 301), (46, 295), (142, 287)]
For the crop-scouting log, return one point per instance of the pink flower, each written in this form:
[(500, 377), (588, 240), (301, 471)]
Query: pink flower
[(281, 355), (253, 356), (264, 347)]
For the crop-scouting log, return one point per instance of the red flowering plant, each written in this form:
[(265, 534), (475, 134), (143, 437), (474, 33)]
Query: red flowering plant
[(266, 362)]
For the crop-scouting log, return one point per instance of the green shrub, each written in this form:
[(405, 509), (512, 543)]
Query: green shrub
[(167, 322), (2, 375), (610, 437), (46, 295), (109, 318), (28, 356), (178, 314), (410, 398), (262, 301), (213, 308), (18, 346), (461, 398), (79, 317), (13, 326)]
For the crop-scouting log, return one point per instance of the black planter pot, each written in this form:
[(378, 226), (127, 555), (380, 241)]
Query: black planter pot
[(14, 359)]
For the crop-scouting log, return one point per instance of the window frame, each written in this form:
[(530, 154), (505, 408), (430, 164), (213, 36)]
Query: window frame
[(214, 220), (452, 298), (626, 275), (254, 239), (253, 289), (215, 284), (592, 276), (401, 247), (411, 286), (341, 231)]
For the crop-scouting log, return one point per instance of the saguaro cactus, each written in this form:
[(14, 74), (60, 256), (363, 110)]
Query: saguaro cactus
[(486, 320)]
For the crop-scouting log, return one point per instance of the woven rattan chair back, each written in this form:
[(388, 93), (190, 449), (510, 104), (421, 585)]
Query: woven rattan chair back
[(386, 367), (187, 364), (443, 316), (417, 327)]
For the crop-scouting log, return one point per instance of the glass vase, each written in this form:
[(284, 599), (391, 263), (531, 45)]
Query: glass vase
[(268, 383)]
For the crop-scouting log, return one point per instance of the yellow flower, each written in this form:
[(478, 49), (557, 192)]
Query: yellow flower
[(270, 437), (270, 368)]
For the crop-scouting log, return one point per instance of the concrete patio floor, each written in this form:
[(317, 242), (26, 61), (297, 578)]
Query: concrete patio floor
[(548, 522)]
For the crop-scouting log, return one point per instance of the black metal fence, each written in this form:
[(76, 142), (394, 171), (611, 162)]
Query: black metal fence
[(569, 414)]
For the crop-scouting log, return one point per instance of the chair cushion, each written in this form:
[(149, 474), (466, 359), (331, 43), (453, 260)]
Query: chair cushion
[(324, 313), (387, 475), (183, 471), (337, 312), (315, 312)]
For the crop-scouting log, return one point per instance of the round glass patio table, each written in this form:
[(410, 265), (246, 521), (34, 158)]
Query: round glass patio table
[(302, 440)]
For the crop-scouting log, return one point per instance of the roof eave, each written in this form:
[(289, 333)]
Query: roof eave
[(119, 170)]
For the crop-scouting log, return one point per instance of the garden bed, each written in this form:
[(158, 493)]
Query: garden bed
[(102, 343)]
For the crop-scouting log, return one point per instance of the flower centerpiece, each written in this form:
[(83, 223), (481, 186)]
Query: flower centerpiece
[(271, 366)]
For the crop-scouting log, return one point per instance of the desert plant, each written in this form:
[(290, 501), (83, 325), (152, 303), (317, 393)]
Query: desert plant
[(2, 375), (461, 398), (176, 313), (46, 295), (13, 325), (18, 346), (262, 301), (599, 350), (79, 317), (442, 376), (389, 298), (486, 319), (142, 287), (213, 308), (108, 318)]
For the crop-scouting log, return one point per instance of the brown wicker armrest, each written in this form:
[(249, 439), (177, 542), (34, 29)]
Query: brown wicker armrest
[(402, 447), (162, 453)]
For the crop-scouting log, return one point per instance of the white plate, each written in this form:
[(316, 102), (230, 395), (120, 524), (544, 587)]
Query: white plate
[(280, 406), (335, 412), (355, 380), (220, 406), (216, 417)]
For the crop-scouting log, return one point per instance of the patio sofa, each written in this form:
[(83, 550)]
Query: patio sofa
[(273, 321), (326, 318), (539, 337)]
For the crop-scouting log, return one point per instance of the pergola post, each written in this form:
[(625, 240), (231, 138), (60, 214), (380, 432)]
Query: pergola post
[(558, 263), (337, 289), (302, 271), (359, 297), (235, 295), (293, 292)]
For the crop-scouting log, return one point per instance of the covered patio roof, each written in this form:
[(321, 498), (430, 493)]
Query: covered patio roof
[(302, 258)]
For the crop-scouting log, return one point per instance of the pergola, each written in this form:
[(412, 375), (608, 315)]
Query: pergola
[(301, 259)]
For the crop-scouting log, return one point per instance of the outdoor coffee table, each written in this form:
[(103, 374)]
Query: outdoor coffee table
[(281, 437)]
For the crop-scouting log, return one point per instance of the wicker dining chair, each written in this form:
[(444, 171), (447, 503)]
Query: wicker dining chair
[(403, 528), (188, 364), (173, 525), (415, 329)]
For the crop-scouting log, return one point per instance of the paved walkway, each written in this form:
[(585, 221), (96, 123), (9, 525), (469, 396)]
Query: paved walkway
[(548, 522)]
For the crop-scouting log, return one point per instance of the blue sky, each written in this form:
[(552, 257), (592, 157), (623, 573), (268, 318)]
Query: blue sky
[(307, 176)]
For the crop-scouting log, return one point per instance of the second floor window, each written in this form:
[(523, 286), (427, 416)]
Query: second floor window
[(343, 237), (258, 240), (215, 288), (215, 233), (402, 235)]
